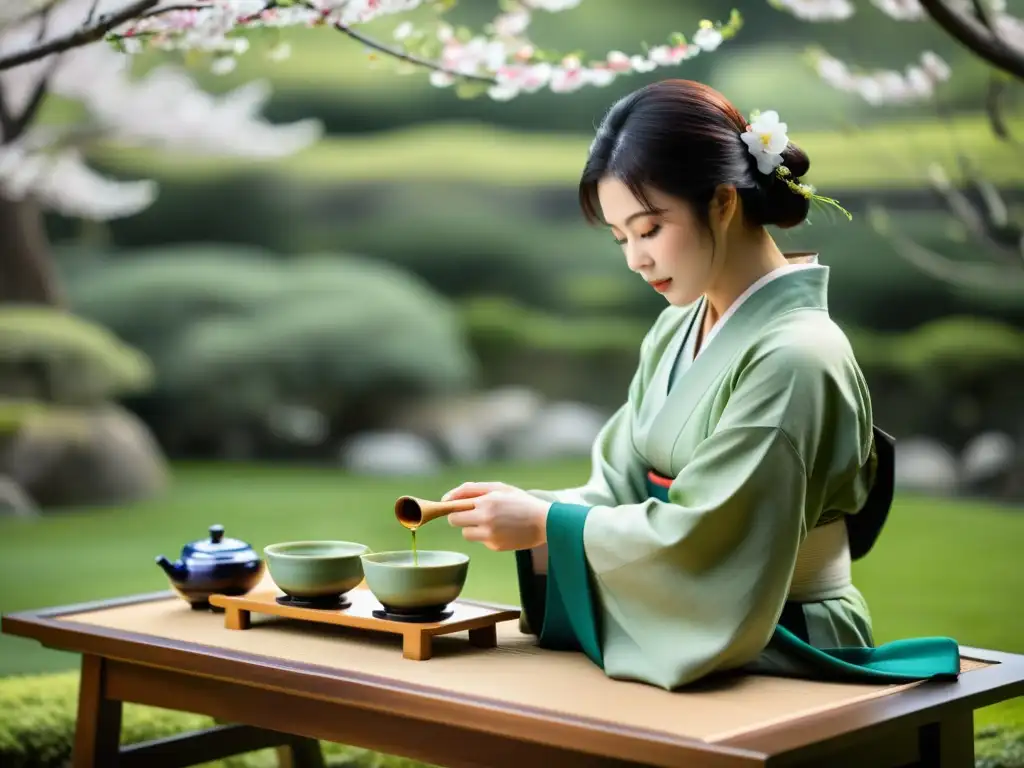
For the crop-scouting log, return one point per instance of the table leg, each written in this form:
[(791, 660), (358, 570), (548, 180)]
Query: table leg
[(235, 618), (948, 743), (484, 637), (98, 728), (416, 646), (301, 753)]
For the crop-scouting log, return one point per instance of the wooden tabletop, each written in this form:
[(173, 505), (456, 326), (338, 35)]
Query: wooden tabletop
[(516, 689)]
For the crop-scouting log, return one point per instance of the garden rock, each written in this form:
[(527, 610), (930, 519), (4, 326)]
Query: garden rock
[(14, 502), (469, 427), (389, 453), (100, 456), (926, 466), (986, 456), (560, 430)]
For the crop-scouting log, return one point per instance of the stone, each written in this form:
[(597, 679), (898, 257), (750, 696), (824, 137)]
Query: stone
[(392, 453), (559, 430), (986, 456), (926, 466), (14, 502), (94, 457)]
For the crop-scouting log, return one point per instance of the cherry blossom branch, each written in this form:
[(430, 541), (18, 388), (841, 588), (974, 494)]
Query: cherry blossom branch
[(172, 8), (90, 33), (992, 222), (408, 57), (17, 125), (993, 277), (503, 62), (975, 35)]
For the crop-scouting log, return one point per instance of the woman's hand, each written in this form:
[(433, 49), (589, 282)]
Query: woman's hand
[(505, 517)]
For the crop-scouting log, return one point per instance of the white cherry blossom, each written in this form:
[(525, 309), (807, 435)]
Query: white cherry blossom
[(918, 82), (506, 58), (165, 108), (766, 138)]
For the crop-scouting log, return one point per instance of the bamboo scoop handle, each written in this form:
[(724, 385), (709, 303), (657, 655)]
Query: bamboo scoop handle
[(412, 512)]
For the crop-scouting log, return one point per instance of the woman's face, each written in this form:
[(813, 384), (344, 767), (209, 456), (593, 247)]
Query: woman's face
[(666, 246)]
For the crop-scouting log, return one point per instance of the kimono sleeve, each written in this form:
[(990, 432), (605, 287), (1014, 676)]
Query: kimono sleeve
[(667, 592), (616, 477)]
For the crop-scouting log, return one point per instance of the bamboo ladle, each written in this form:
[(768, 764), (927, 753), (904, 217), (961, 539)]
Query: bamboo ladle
[(412, 512)]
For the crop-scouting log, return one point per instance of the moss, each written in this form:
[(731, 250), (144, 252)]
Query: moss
[(37, 722), (999, 746)]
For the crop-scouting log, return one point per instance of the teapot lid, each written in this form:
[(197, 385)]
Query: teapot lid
[(215, 545)]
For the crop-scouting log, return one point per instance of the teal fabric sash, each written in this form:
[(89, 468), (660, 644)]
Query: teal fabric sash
[(564, 609)]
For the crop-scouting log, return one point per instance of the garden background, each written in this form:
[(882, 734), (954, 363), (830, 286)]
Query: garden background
[(285, 345)]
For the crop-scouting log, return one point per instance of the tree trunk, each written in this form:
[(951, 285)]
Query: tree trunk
[(27, 273)]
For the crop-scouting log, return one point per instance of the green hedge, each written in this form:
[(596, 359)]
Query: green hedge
[(955, 346), (889, 155), (37, 720)]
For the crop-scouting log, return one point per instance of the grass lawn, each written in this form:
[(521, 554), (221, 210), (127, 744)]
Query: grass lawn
[(943, 567)]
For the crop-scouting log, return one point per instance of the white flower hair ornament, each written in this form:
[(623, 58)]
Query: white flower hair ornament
[(766, 139)]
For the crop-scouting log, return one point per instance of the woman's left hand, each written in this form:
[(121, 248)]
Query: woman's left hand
[(505, 517)]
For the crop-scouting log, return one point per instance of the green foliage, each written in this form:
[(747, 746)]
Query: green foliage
[(999, 747), (333, 325), (948, 347), (892, 155), (951, 346), (505, 325), (233, 332), (37, 726), (83, 361)]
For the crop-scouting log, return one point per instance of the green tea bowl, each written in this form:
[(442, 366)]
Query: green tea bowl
[(422, 587), (316, 570)]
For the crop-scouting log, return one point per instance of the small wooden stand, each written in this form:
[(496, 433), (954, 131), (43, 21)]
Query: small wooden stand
[(480, 621)]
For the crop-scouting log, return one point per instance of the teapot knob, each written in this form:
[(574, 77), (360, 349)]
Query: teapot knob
[(216, 533)]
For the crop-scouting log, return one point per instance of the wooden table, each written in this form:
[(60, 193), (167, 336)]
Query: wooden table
[(281, 683)]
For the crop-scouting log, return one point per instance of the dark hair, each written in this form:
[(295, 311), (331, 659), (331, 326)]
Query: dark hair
[(683, 138)]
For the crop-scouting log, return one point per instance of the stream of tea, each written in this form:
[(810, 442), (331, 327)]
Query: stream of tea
[(415, 554)]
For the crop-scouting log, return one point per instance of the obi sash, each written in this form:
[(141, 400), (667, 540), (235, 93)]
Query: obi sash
[(897, 661)]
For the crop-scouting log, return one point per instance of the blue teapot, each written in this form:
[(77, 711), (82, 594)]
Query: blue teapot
[(213, 566)]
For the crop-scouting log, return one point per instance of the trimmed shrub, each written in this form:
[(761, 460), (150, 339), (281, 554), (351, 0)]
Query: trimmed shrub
[(80, 361), (235, 333)]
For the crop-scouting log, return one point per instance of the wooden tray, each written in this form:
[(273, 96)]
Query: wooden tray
[(480, 621)]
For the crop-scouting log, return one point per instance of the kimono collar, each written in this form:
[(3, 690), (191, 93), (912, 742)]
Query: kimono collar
[(794, 289), (806, 287), (795, 262)]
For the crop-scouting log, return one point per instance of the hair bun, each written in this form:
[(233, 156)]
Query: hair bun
[(781, 206)]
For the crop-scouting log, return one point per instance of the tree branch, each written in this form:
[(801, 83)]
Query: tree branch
[(171, 8), (994, 99), (407, 57), (88, 33), (989, 277), (991, 220), (973, 34), (17, 125)]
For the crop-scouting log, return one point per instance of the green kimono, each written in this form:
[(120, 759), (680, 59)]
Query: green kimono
[(675, 560)]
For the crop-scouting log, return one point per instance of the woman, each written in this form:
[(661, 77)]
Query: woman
[(715, 532)]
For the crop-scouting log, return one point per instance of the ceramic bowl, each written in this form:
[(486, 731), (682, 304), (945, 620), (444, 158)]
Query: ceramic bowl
[(428, 586), (315, 570)]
